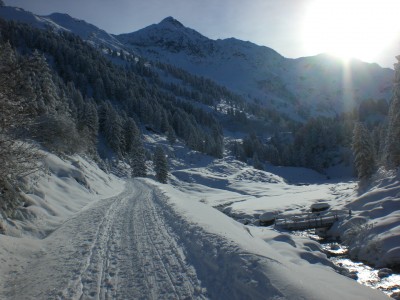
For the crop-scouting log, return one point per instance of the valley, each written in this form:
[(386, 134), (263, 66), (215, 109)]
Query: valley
[(137, 165)]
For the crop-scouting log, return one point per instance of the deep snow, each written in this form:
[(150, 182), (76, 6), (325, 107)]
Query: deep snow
[(90, 235)]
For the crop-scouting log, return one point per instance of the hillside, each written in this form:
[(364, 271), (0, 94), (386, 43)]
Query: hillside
[(61, 22), (87, 239), (300, 88), (139, 165), (322, 85)]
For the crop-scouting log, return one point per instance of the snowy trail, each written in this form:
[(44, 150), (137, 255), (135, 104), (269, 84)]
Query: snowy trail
[(152, 242), (118, 248)]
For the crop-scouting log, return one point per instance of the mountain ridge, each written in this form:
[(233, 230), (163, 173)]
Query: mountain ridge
[(301, 87), (61, 22), (258, 72)]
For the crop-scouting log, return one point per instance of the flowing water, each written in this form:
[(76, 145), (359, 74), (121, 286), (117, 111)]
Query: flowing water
[(385, 280)]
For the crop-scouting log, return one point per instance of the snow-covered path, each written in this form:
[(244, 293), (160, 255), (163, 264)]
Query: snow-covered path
[(153, 242), (117, 248)]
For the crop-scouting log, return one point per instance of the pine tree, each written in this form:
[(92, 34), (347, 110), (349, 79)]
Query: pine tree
[(131, 132), (138, 158), (17, 158), (87, 123), (111, 126), (171, 136), (392, 151), (39, 74), (134, 148), (363, 150), (160, 164), (164, 122), (256, 162)]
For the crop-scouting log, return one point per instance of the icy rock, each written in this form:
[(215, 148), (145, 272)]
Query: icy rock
[(321, 206), (335, 246), (349, 274), (396, 295), (385, 272), (352, 275), (267, 218)]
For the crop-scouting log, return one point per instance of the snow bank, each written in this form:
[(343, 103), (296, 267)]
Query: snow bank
[(248, 262), (373, 234), (63, 188), (54, 195)]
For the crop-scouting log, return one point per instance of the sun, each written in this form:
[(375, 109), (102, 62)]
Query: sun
[(351, 28)]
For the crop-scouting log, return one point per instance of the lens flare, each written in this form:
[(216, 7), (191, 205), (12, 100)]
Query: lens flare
[(351, 28)]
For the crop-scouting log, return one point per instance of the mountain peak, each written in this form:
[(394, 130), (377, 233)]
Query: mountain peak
[(171, 21)]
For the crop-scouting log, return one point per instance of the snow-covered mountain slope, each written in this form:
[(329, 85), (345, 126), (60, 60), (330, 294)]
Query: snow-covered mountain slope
[(58, 21), (155, 241), (322, 83), (85, 30)]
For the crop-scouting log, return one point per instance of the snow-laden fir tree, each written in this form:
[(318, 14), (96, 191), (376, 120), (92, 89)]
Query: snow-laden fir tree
[(257, 163), (171, 136), (112, 128), (138, 158), (134, 148), (160, 165), (363, 150), (392, 150), (89, 122), (17, 156)]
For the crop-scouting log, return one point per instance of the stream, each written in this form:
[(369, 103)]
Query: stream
[(384, 279)]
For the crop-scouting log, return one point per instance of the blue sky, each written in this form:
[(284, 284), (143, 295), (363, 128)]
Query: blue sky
[(279, 24)]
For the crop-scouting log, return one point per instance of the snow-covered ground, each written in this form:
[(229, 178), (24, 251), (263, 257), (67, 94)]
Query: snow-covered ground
[(374, 231), (64, 187), (244, 193), (90, 235)]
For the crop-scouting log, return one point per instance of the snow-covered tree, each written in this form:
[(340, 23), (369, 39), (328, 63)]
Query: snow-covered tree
[(46, 99), (256, 162), (160, 164), (17, 156), (363, 150), (171, 136), (112, 128), (137, 158), (392, 150), (131, 132), (134, 149), (164, 122)]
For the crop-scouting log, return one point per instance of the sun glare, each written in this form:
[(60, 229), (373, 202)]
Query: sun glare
[(351, 28)]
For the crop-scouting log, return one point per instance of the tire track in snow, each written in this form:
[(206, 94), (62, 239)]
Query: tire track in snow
[(118, 248), (173, 269), (156, 270)]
